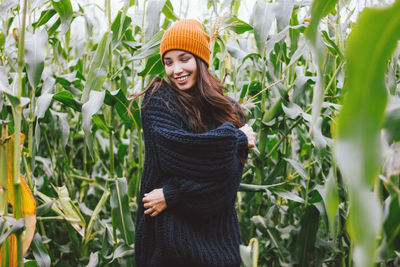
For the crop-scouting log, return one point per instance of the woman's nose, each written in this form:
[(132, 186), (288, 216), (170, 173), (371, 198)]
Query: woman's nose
[(177, 68)]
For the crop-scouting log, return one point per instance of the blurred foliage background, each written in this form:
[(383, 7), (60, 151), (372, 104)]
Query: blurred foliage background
[(318, 81)]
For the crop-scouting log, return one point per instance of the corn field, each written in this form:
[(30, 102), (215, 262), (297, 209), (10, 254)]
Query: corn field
[(319, 82)]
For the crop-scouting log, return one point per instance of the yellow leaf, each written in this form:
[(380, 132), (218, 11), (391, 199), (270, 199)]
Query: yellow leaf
[(28, 205)]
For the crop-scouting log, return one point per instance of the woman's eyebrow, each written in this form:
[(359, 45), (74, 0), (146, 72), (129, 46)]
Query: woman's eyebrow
[(183, 54)]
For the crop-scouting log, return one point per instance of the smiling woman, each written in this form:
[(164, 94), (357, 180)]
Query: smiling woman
[(196, 144)]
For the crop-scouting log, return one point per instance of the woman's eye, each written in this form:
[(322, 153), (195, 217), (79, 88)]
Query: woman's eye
[(168, 63), (185, 59)]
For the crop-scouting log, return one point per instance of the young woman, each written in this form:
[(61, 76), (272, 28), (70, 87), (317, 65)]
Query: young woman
[(196, 143)]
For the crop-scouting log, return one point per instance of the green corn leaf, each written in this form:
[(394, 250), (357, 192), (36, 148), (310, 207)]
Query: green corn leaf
[(307, 235), (2, 40), (99, 120), (319, 10), (286, 194), (249, 254), (35, 54), (122, 218), (153, 66), (44, 208), (121, 252), (8, 226), (257, 188), (331, 199), (392, 113), (298, 167), (30, 263), (99, 206), (94, 259), (40, 252), (63, 125), (64, 10), (168, 11), (119, 26), (5, 6), (67, 99), (262, 18), (283, 11), (90, 108), (69, 210), (149, 48), (52, 30), (391, 225), (152, 18), (42, 104), (275, 109), (238, 26), (332, 45), (98, 67), (118, 100), (357, 150), (45, 16), (370, 45)]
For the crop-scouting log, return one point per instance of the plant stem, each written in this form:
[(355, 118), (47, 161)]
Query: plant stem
[(4, 190), (17, 111), (111, 143)]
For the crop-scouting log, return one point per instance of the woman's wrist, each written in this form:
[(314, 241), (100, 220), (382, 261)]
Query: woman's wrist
[(171, 195)]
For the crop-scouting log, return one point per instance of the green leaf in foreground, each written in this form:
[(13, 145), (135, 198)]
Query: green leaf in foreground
[(357, 150), (370, 45)]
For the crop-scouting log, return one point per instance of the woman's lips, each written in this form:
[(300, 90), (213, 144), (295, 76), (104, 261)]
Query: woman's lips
[(182, 79)]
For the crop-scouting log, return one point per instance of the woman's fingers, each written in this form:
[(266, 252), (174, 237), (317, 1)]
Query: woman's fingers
[(251, 136), (151, 211), (154, 202), (154, 213)]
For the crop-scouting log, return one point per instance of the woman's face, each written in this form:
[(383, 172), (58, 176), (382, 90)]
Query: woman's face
[(181, 68)]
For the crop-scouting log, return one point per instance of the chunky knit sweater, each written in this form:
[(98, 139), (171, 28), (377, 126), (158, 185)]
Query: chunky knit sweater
[(200, 175)]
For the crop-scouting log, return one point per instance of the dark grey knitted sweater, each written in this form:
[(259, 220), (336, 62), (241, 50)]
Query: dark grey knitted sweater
[(200, 175)]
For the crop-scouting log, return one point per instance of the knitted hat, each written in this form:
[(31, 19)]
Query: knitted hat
[(187, 35)]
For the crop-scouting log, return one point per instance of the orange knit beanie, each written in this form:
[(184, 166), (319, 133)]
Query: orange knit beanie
[(187, 35)]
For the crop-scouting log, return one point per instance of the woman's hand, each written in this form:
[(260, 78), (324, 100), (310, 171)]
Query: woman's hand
[(154, 202), (251, 136)]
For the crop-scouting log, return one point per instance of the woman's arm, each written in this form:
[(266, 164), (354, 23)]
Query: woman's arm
[(192, 198)]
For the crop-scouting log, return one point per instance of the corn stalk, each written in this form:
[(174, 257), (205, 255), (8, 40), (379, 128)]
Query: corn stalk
[(17, 112), (4, 190)]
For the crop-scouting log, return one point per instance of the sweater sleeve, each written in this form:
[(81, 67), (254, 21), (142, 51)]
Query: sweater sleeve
[(199, 199)]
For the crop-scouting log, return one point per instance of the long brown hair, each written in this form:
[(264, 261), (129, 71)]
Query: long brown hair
[(204, 103)]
